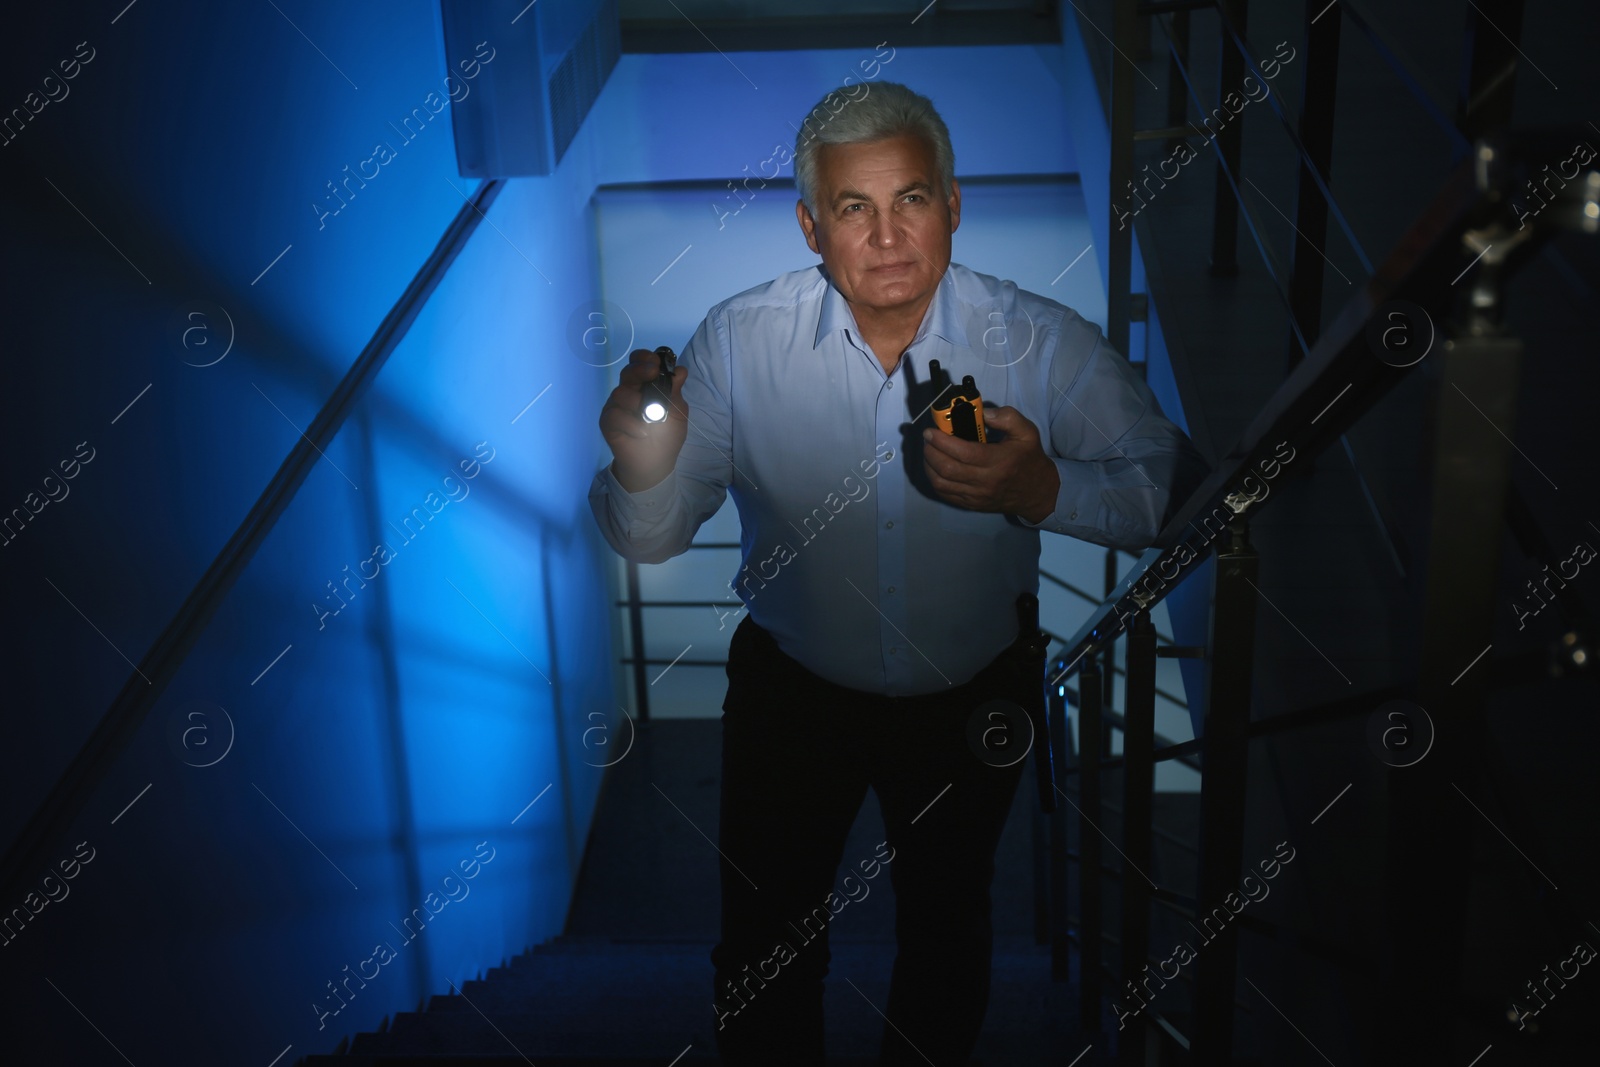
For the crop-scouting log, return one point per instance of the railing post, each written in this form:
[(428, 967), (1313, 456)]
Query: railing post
[(1318, 82), (1489, 69), (1177, 63), (1089, 745), (1224, 768), (1430, 821), (1119, 257), (1108, 688), (1060, 880), (1043, 859), (641, 688), (1225, 211), (1138, 783)]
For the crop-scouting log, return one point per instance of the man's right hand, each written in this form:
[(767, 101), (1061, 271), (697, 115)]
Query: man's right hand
[(645, 453)]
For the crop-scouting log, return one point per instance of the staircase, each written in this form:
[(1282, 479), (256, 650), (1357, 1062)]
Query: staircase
[(591, 1001), (630, 982)]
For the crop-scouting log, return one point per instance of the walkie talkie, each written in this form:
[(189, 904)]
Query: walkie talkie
[(657, 393), (958, 410)]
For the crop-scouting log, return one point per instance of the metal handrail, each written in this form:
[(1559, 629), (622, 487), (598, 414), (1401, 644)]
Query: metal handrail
[(1301, 412), (1063, 583), (636, 605), (1416, 271), (1335, 365)]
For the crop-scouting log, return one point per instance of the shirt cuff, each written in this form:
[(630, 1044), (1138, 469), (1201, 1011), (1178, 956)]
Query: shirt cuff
[(1077, 504), (644, 507), (655, 496)]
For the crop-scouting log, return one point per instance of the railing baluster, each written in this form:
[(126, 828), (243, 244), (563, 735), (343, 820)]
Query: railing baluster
[(1060, 879), (1430, 827), (1489, 72), (1090, 920), (1138, 783), (1119, 256), (641, 689), (1043, 858), (1226, 763), (1108, 692), (1319, 79), (1225, 217), (1177, 60)]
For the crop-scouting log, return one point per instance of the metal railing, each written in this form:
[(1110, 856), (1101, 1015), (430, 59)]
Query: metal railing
[(1470, 480), (636, 604)]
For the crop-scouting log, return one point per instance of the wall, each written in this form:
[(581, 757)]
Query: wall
[(328, 754)]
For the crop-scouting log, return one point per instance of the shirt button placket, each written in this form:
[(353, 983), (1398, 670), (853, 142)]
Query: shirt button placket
[(891, 543)]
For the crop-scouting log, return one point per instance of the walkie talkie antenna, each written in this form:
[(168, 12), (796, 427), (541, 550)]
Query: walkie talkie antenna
[(958, 410)]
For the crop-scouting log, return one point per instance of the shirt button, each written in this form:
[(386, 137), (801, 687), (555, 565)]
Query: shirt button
[(891, 652), (888, 455), (891, 385), (891, 589), (1073, 515), (889, 525)]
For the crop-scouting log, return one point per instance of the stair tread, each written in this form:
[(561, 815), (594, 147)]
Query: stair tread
[(420, 1059), (543, 1009)]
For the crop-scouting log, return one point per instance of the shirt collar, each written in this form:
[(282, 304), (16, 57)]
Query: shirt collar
[(941, 319)]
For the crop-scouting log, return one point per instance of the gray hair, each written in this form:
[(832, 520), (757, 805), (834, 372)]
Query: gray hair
[(888, 109)]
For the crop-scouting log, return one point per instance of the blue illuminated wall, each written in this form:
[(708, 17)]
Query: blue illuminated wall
[(392, 716)]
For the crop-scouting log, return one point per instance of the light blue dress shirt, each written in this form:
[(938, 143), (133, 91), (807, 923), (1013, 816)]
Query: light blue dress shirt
[(851, 561)]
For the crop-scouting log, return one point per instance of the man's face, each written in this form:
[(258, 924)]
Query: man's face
[(881, 231)]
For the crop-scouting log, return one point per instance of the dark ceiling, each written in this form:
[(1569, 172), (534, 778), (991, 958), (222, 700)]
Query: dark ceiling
[(777, 25)]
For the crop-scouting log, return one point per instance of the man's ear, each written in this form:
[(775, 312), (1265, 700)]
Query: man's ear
[(955, 205), (808, 225)]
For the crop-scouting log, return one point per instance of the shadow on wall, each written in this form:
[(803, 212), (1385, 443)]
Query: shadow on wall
[(352, 725)]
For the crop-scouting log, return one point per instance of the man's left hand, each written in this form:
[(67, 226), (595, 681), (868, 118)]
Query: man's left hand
[(1013, 475)]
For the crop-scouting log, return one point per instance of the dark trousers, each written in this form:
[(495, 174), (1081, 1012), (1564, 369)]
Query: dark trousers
[(798, 753)]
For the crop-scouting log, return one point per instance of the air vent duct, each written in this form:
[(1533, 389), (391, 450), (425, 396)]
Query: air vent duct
[(521, 111)]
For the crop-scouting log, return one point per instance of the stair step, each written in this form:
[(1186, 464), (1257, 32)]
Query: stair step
[(546, 1010), (409, 1059), (417, 1059), (560, 984), (548, 1033)]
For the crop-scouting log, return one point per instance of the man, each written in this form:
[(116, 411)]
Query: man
[(877, 622)]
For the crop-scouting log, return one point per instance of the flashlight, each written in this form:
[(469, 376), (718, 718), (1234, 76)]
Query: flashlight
[(958, 410), (658, 391)]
